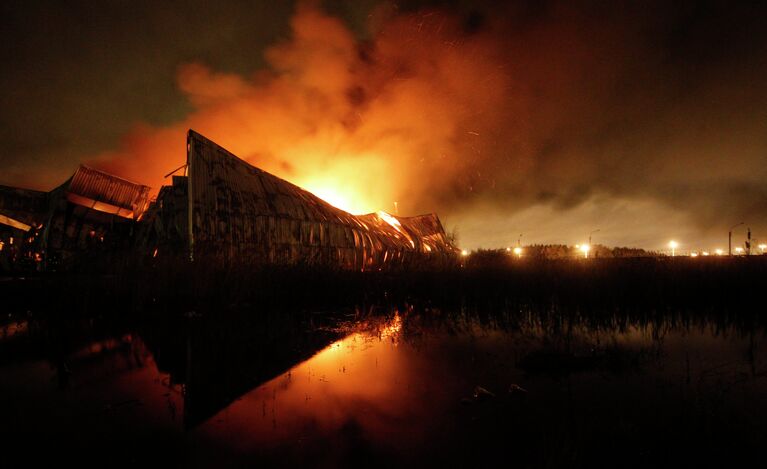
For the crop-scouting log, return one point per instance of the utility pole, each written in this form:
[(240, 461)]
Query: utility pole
[(729, 238), (748, 242)]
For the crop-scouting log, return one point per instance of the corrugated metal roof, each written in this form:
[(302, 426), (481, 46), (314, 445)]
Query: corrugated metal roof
[(109, 189), (239, 210)]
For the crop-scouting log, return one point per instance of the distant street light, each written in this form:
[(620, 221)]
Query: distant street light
[(673, 245), (739, 250), (719, 252), (729, 238), (585, 248), (762, 247), (518, 251), (464, 253)]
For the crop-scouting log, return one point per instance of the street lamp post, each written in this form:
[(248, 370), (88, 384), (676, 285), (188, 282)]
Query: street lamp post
[(729, 238)]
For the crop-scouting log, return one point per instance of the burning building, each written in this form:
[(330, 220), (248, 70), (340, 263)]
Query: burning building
[(222, 209), (90, 217), (226, 210)]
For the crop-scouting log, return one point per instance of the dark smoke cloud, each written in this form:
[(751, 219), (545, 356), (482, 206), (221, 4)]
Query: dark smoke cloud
[(645, 120)]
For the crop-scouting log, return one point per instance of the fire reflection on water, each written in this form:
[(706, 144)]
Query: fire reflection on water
[(360, 383)]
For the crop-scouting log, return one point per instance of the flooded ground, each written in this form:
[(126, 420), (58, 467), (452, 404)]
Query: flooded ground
[(415, 386)]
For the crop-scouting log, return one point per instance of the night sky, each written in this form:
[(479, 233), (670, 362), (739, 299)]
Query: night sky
[(645, 120)]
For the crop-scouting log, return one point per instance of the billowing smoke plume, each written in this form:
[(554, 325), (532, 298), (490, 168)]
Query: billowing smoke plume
[(414, 116), (541, 106)]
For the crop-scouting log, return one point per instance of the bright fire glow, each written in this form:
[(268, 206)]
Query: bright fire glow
[(396, 225), (739, 250), (518, 251), (719, 252), (464, 253), (390, 220), (338, 198), (693, 254), (357, 185)]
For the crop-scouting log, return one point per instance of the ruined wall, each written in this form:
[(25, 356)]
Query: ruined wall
[(164, 229)]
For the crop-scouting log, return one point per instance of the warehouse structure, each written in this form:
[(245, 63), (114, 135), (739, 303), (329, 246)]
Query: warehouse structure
[(227, 210)]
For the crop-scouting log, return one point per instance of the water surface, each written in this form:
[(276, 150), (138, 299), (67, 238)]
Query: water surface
[(409, 387)]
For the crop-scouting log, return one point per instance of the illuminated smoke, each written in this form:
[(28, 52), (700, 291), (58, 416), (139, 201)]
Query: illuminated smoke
[(401, 118)]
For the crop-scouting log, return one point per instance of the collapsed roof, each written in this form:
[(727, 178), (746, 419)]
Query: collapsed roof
[(88, 187), (107, 193)]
